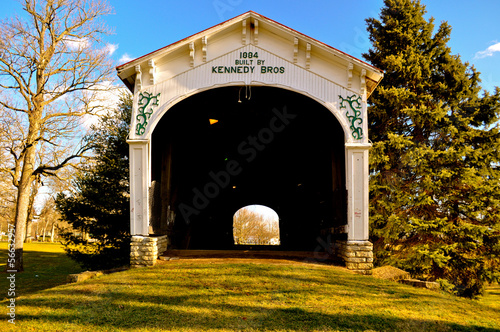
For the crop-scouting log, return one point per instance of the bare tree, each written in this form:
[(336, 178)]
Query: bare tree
[(244, 223), (250, 227), (49, 217), (53, 65), (7, 191), (7, 200)]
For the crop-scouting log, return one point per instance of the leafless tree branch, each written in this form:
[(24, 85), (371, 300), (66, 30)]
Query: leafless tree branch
[(50, 59)]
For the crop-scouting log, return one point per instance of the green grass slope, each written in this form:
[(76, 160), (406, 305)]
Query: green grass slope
[(248, 295)]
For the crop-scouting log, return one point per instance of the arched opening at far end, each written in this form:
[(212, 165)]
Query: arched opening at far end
[(256, 225)]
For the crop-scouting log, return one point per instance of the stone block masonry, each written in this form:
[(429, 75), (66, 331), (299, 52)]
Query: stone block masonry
[(145, 250), (357, 255)]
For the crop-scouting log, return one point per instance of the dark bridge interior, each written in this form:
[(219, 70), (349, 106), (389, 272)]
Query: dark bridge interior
[(269, 146)]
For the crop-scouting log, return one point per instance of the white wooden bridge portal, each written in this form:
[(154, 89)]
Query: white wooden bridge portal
[(249, 112)]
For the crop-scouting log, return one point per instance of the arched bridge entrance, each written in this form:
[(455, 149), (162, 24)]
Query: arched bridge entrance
[(249, 112), (265, 145)]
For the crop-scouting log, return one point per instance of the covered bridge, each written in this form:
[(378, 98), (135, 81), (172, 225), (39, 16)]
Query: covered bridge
[(249, 112)]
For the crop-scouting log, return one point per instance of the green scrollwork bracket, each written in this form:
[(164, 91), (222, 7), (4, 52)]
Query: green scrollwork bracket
[(146, 100), (355, 119)]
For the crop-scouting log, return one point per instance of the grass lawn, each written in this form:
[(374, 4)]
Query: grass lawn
[(46, 266), (247, 295)]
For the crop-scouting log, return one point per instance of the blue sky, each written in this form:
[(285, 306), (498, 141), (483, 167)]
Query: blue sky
[(144, 26)]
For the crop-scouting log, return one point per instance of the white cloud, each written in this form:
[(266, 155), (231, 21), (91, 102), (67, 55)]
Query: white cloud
[(77, 43), (103, 98), (488, 52), (111, 48), (125, 58)]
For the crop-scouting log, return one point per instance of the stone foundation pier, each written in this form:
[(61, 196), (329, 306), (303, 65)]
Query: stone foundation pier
[(144, 250), (357, 255)]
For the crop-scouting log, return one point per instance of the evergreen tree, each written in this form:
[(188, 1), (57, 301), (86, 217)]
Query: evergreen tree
[(435, 180), (99, 205)]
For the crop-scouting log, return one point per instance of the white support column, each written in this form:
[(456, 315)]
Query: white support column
[(357, 173), (139, 187)]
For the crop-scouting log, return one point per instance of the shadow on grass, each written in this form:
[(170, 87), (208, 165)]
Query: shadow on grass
[(203, 316), (42, 270), (184, 297)]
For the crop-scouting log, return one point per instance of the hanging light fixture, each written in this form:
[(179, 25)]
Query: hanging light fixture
[(248, 93)]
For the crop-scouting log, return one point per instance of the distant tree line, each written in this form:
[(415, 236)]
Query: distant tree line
[(251, 227)]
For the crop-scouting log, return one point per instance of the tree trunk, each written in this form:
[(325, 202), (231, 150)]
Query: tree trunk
[(33, 193), (21, 217), (52, 232), (24, 191), (28, 230)]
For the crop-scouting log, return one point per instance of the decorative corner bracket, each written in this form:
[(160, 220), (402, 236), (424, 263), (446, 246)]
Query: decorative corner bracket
[(191, 54), (295, 49), (152, 72), (355, 119), (349, 75), (363, 82), (256, 32), (146, 100), (204, 43), (138, 78), (308, 56), (244, 32)]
